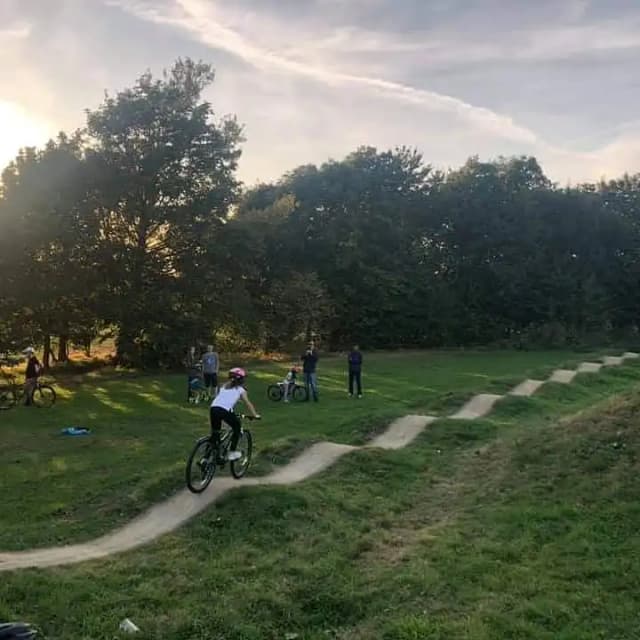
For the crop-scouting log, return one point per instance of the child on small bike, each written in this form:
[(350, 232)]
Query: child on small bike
[(194, 375), (290, 381), (222, 410)]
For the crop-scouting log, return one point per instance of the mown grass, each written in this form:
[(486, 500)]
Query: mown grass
[(523, 525), (58, 489)]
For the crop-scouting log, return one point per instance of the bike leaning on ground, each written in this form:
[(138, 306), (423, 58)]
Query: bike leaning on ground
[(205, 458)]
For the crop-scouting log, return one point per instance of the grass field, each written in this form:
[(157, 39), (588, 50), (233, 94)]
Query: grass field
[(59, 489), (522, 525)]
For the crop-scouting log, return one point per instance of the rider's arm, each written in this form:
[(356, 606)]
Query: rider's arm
[(245, 399)]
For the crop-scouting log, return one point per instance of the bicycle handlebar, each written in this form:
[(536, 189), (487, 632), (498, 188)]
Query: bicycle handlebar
[(246, 417)]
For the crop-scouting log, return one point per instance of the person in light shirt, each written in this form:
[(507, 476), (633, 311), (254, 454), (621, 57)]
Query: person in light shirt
[(222, 410), (210, 366)]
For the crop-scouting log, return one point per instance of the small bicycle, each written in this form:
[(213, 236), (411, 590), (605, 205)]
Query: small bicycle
[(297, 392), (205, 459), (198, 393), (44, 395)]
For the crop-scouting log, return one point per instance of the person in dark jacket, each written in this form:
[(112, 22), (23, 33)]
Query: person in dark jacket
[(309, 364), (355, 370), (34, 369)]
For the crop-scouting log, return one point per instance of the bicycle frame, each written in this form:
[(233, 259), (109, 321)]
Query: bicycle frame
[(225, 440)]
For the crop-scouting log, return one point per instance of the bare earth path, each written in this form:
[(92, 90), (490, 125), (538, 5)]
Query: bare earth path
[(171, 514)]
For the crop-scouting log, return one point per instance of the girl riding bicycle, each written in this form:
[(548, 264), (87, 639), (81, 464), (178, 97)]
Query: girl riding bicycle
[(222, 410)]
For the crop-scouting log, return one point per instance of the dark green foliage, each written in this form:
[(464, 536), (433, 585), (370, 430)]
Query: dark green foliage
[(138, 223)]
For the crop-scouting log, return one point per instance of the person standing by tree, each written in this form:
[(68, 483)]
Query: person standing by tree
[(210, 368), (309, 364), (34, 368), (355, 370)]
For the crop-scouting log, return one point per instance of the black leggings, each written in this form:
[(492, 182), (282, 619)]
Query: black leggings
[(217, 416)]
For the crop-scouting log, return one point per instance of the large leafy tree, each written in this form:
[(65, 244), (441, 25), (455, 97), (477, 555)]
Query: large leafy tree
[(47, 245), (353, 224), (166, 180)]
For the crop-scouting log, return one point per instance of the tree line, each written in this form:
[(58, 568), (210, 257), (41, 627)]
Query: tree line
[(138, 225)]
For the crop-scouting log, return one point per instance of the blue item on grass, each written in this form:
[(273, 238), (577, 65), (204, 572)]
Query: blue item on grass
[(76, 431)]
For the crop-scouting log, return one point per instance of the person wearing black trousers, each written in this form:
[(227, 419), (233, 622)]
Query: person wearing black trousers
[(309, 364), (355, 370)]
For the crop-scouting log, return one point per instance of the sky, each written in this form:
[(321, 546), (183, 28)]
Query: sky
[(315, 79)]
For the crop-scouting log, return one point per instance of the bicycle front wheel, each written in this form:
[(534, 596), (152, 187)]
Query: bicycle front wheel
[(201, 466), (44, 396), (245, 447), (275, 392), (300, 394), (7, 398)]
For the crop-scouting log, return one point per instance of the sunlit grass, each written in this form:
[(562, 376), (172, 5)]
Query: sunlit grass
[(142, 430)]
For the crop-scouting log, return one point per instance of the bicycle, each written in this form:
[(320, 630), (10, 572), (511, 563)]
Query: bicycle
[(44, 395), (198, 392), (275, 392), (205, 459)]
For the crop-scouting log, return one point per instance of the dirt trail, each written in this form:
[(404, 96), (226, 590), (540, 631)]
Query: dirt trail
[(174, 512)]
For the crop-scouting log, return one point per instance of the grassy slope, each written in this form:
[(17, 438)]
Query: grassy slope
[(523, 525), (58, 489)]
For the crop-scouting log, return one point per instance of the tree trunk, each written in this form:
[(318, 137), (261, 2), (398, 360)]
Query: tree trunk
[(46, 355), (63, 349)]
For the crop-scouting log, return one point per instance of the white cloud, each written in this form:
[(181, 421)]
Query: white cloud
[(330, 58), (205, 21), (15, 32)]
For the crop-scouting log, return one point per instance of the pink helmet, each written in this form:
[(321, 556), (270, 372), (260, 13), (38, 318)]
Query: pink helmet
[(237, 374)]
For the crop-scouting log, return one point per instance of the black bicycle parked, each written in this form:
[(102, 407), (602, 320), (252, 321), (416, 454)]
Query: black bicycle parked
[(205, 459), (11, 392), (296, 391)]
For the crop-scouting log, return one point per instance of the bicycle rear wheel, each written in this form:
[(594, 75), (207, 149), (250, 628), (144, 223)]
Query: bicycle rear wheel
[(44, 396), (7, 398), (245, 447), (201, 466), (274, 392), (300, 394)]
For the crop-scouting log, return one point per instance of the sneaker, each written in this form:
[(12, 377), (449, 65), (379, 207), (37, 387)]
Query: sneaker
[(359, 395), (234, 455)]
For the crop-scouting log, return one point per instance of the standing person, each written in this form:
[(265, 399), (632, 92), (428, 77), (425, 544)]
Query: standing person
[(210, 368), (34, 369), (309, 364), (222, 410), (355, 370)]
